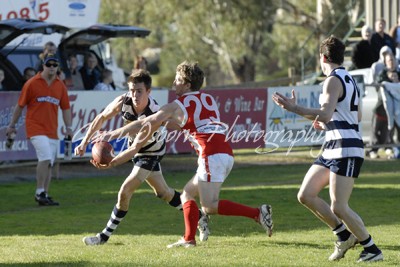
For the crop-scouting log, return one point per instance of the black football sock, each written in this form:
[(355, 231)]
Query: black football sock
[(341, 232), (370, 246), (176, 201)]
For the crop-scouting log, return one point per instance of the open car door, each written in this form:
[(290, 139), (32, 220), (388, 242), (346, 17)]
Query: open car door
[(13, 28), (9, 31), (92, 40), (83, 39)]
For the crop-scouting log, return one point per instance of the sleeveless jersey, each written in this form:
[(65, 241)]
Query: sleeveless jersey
[(202, 123), (343, 139), (155, 146)]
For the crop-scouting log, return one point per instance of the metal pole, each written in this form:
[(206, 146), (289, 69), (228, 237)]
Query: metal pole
[(302, 64)]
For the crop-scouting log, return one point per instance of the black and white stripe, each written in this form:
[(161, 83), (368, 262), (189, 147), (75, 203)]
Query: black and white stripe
[(350, 167), (112, 224), (154, 146), (343, 139)]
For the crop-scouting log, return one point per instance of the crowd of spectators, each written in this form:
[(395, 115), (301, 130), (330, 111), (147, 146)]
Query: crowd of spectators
[(380, 52), (82, 71)]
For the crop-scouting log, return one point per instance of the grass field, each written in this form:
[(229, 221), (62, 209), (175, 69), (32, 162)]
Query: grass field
[(51, 236)]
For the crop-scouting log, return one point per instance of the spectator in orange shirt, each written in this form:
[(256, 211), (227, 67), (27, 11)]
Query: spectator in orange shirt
[(43, 94)]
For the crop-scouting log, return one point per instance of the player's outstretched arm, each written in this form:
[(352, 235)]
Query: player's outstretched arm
[(132, 128), (151, 123), (109, 112), (126, 155), (169, 112), (331, 92)]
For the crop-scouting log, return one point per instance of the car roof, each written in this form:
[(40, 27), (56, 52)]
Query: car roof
[(12, 28), (100, 32)]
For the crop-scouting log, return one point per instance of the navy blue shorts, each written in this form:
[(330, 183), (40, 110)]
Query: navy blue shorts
[(349, 167), (150, 163)]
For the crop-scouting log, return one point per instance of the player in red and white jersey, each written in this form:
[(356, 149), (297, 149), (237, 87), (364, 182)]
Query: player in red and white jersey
[(201, 118), (197, 114)]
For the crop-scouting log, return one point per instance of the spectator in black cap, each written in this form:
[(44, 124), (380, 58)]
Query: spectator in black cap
[(43, 95)]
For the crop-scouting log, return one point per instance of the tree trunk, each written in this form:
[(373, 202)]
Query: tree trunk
[(245, 70)]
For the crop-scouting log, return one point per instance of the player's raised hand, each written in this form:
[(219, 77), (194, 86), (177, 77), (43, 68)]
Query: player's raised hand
[(284, 102)]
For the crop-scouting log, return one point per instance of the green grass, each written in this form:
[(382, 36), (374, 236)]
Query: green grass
[(51, 236)]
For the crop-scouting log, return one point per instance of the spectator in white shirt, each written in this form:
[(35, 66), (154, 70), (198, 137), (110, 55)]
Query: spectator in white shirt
[(107, 80)]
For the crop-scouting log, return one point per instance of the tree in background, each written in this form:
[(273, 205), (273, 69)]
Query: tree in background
[(236, 41), (224, 36)]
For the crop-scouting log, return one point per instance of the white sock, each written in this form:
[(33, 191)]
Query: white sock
[(39, 190)]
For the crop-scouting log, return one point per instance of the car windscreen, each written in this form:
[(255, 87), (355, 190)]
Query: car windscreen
[(23, 58)]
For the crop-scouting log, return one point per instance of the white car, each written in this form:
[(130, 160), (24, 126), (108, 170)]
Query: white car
[(363, 77)]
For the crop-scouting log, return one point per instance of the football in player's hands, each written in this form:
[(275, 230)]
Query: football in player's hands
[(102, 152)]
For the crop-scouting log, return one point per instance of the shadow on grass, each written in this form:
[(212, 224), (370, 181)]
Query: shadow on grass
[(83, 213), (86, 203), (394, 248), (313, 245), (44, 264)]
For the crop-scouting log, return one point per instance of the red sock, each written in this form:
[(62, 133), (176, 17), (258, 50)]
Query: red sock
[(229, 208), (191, 216)]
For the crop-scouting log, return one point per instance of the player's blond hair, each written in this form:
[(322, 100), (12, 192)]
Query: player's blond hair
[(191, 73)]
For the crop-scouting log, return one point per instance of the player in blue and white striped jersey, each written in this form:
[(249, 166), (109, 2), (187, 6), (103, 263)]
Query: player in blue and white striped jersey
[(343, 153), (137, 104)]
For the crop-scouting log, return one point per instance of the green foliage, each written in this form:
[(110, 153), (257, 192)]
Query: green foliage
[(51, 236), (204, 31), (235, 41)]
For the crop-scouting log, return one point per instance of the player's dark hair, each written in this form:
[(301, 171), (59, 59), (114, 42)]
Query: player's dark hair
[(140, 76), (332, 49), (191, 73)]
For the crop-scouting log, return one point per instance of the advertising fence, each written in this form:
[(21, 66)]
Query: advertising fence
[(253, 120)]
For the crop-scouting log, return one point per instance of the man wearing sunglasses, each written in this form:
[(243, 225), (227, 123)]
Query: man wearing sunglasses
[(43, 94)]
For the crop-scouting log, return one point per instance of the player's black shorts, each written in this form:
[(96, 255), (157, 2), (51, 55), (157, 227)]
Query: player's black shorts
[(349, 167), (150, 163)]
